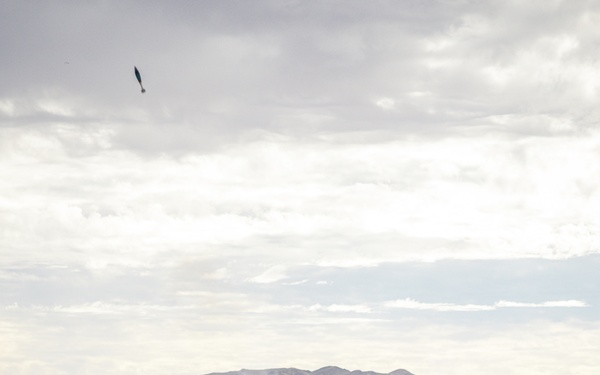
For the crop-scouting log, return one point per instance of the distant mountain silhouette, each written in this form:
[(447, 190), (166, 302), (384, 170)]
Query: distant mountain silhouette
[(329, 370)]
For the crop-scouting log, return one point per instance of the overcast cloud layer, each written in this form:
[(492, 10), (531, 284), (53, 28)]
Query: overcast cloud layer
[(368, 184)]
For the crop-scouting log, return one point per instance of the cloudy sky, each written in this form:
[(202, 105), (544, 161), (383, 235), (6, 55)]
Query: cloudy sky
[(368, 184)]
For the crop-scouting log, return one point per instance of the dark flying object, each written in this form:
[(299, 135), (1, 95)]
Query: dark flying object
[(139, 78)]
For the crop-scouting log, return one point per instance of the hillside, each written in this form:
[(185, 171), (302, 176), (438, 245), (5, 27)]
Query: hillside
[(329, 370)]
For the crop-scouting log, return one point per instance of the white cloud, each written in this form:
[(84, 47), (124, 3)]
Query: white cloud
[(299, 282), (567, 303), (409, 303), (531, 197), (100, 307), (335, 308), (218, 274), (271, 275), (385, 103)]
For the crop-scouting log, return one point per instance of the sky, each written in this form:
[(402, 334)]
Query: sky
[(373, 185)]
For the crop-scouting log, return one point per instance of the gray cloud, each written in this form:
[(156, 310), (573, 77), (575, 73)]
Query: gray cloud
[(216, 69)]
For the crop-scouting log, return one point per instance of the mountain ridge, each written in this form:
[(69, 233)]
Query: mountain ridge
[(327, 370)]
